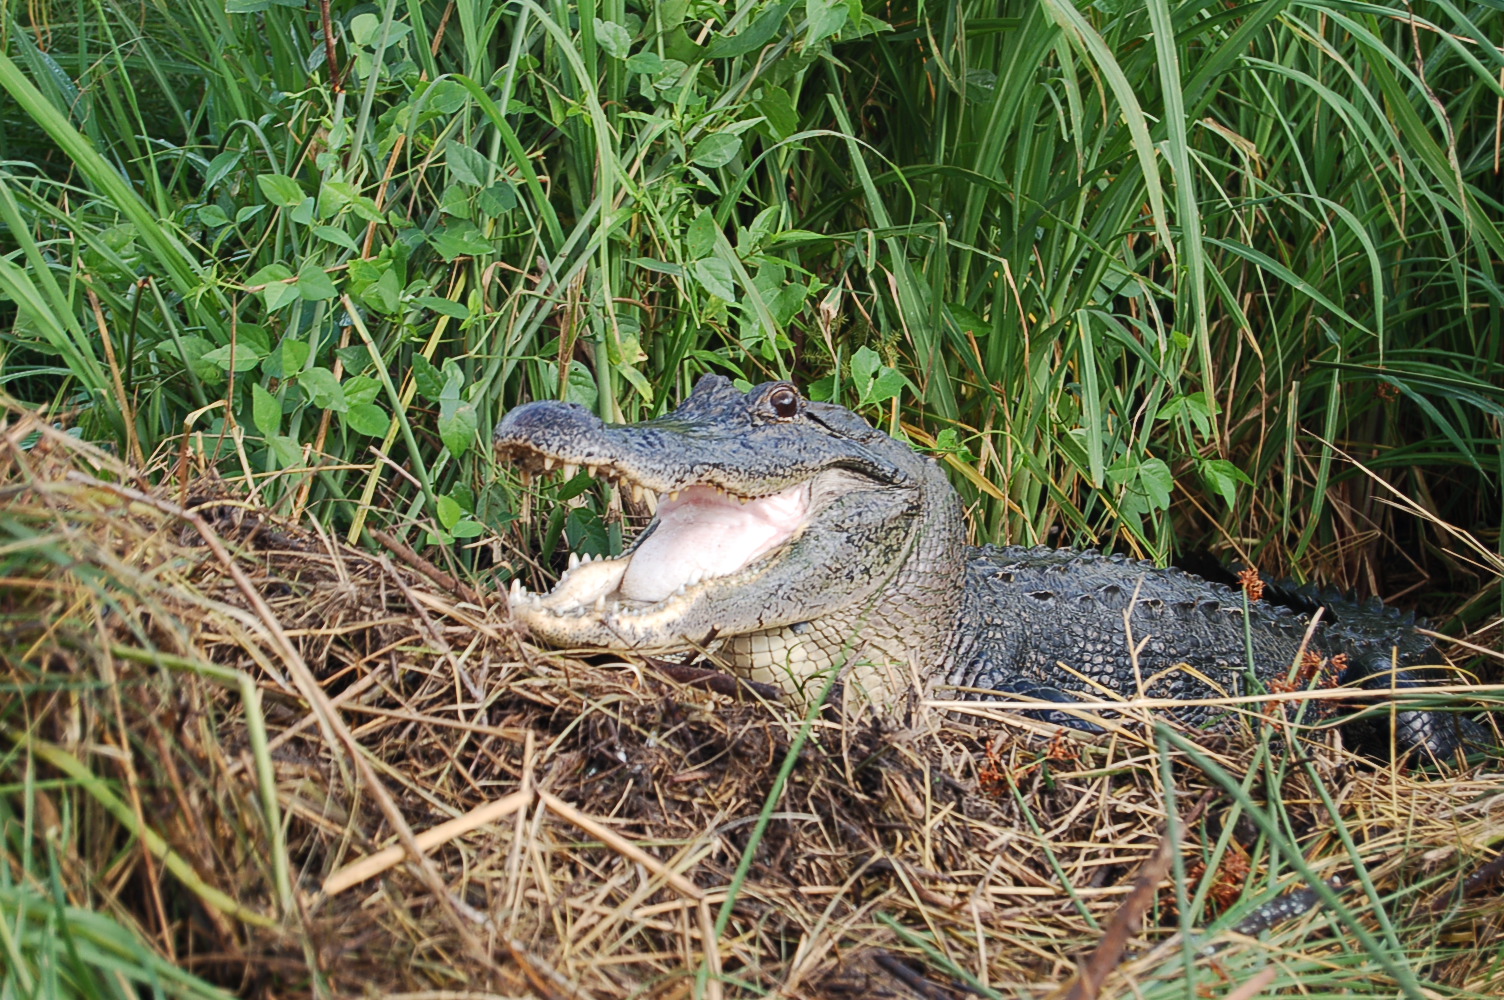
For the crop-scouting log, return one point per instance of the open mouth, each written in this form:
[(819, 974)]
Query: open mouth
[(701, 533)]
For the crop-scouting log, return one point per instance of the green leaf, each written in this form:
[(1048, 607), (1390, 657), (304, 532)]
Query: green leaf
[(241, 355), (468, 529), (266, 410), (271, 272), (638, 380), (430, 380), (193, 351), (360, 389), (496, 200), (356, 358), (363, 27), (714, 275), (454, 380), (219, 168), (658, 266), (777, 107), (467, 165), (716, 150), (968, 321), (458, 424), (980, 85), (948, 442), (447, 307), (314, 284), (279, 290), (337, 236), (1222, 477), (335, 196), (700, 240), (864, 365), (286, 359), (302, 212), (323, 389), (888, 384), (281, 190), (874, 382), (213, 216), (362, 273), (460, 239), (645, 62), (1150, 478), (581, 387), (752, 38), (279, 294), (613, 38), (821, 390), (287, 450), (445, 97), (825, 17), (368, 419), (255, 336), (1156, 480), (385, 293), (449, 512), (1194, 406)]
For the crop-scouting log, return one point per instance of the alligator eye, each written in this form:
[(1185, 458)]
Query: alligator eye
[(785, 402)]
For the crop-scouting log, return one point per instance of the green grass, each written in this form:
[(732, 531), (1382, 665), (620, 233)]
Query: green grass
[(1149, 274), (1130, 260), (55, 949)]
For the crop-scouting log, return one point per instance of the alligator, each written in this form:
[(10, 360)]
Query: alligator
[(792, 539)]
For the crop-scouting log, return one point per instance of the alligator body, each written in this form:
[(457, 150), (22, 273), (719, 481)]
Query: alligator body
[(791, 538)]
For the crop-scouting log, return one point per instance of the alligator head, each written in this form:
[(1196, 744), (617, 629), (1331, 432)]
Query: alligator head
[(790, 536)]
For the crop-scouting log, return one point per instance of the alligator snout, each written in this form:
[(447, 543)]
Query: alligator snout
[(548, 428)]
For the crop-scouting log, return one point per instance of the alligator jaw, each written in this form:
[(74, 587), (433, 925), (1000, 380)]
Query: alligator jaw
[(642, 485), (704, 541)]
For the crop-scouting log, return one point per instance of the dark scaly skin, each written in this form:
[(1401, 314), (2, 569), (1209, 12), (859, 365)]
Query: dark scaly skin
[(880, 582), (1033, 609)]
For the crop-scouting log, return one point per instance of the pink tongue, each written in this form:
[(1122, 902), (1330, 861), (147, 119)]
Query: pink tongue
[(705, 534)]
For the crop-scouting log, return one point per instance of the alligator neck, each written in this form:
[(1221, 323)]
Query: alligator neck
[(901, 640)]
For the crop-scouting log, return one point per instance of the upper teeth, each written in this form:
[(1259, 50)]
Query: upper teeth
[(639, 493)]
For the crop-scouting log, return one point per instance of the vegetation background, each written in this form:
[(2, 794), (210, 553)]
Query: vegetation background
[(1158, 276), (1147, 274)]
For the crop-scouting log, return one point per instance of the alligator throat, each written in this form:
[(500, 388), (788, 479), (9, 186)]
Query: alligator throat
[(707, 533), (699, 533)]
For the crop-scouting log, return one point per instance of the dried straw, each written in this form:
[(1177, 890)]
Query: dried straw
[(299, 768)]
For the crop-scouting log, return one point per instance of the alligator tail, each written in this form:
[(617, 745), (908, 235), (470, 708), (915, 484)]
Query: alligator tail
[(1370, 626)]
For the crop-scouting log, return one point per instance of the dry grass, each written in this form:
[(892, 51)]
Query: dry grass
[(220, 721)]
